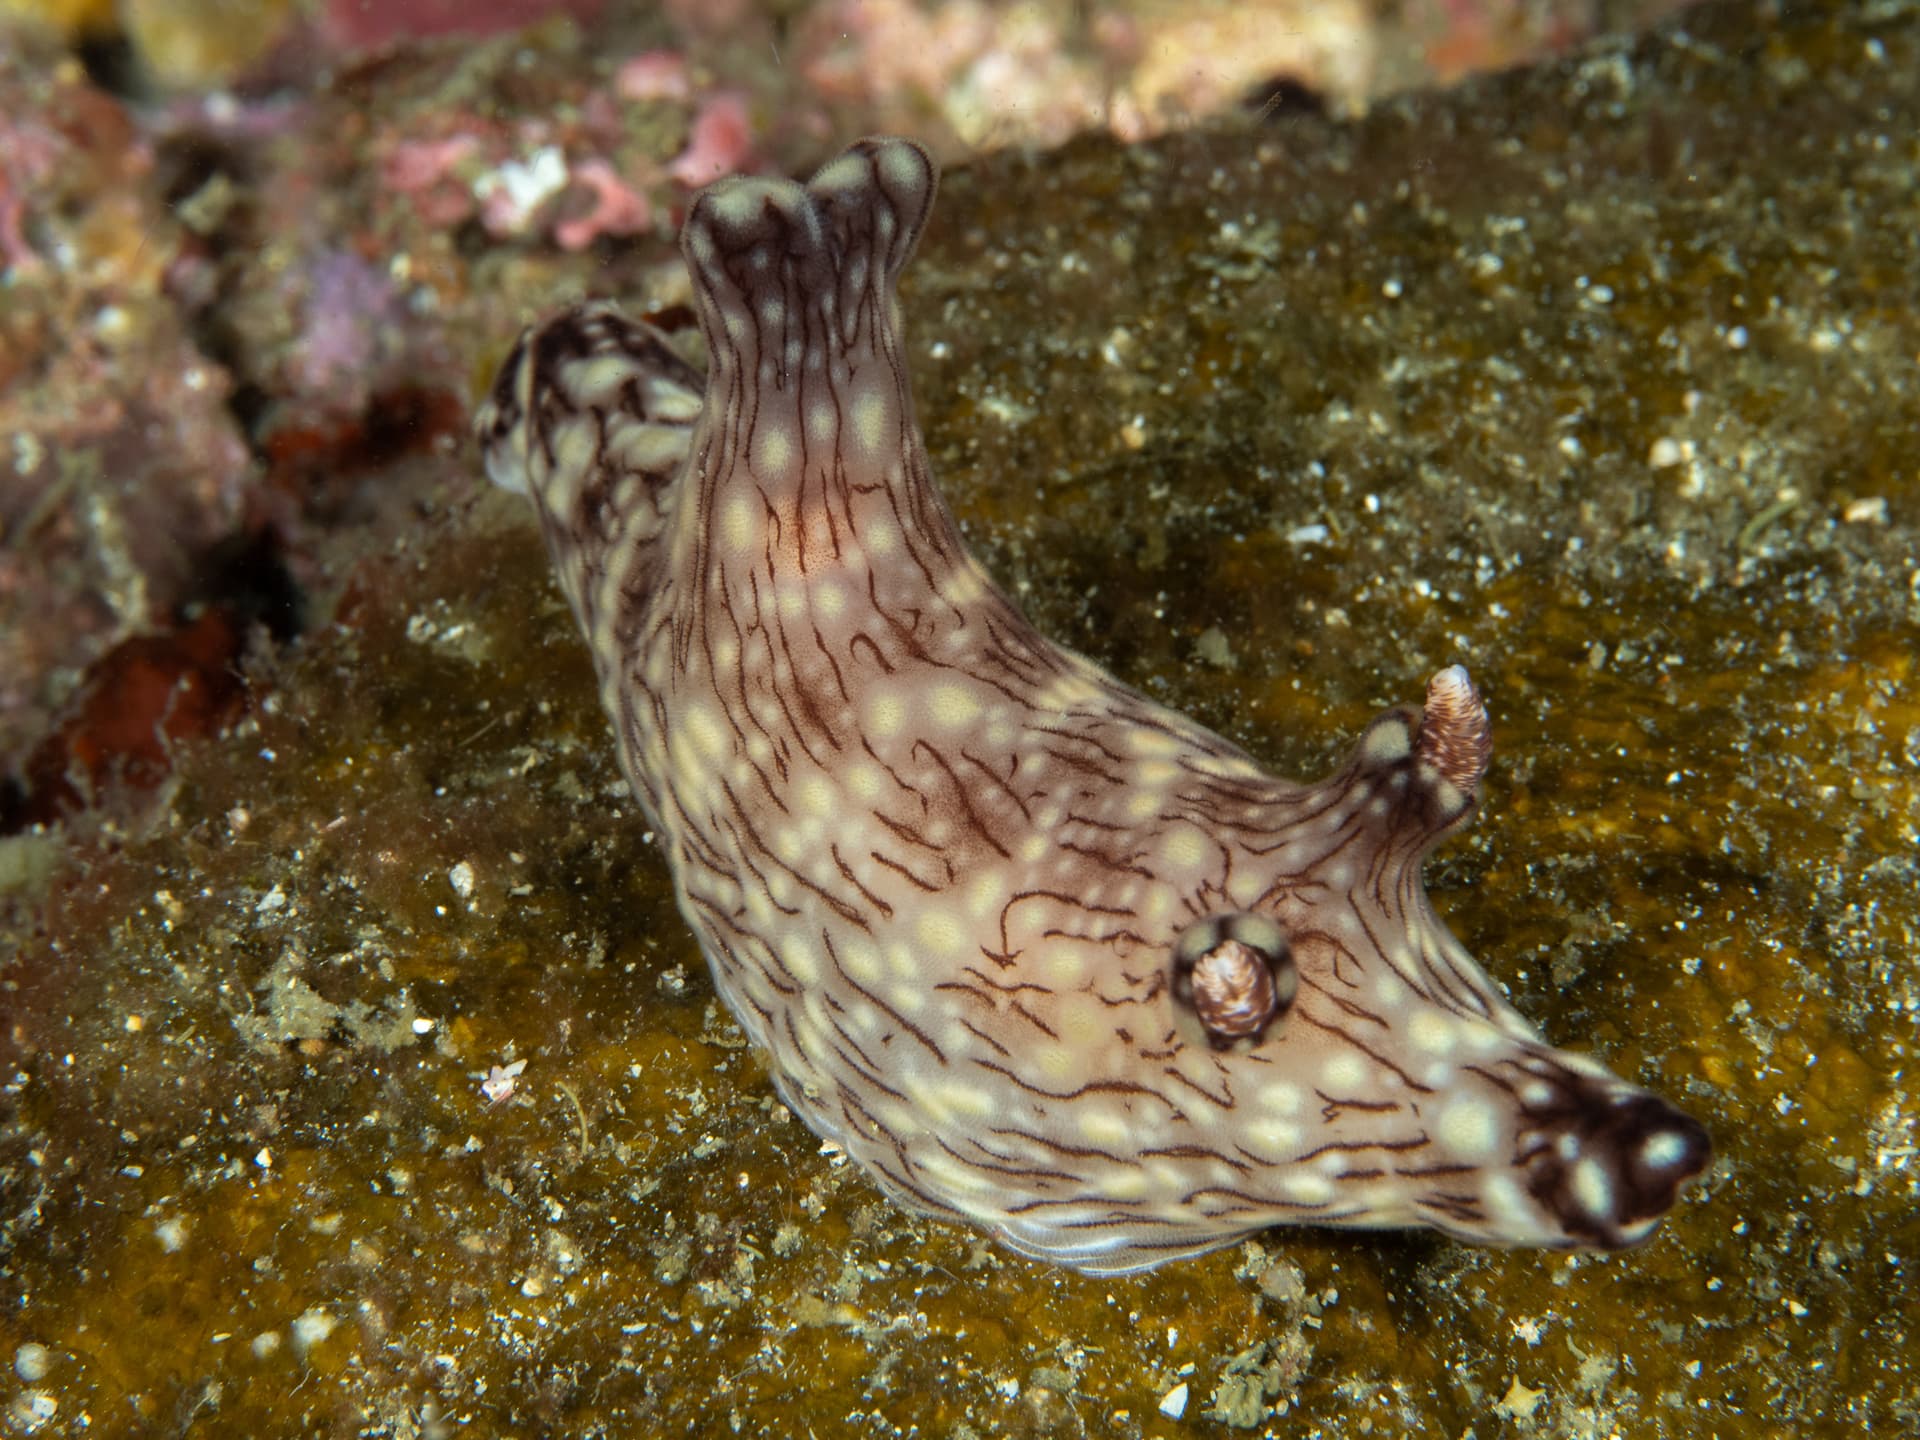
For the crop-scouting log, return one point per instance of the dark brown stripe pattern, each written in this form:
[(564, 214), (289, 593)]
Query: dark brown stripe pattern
[(942, 867)]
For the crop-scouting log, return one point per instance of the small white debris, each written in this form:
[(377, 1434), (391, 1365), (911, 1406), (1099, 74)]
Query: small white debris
[(1308, 535), (520, 187), (1392, 288), (1173, 1404), (1519, 1402), (171, 1233), (461, 878), (33, 1408), (32, 1361), (266, 1343), (312, 1326), (1870, 510), (422, 1025), (263, 1157), (1666, 453), (1737, 338), (500, 1080)]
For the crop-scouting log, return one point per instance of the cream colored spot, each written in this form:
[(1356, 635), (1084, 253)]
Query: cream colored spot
[(1063, 967), (864, 780), (1307, 1187), (670, 401), (861, 961), (773, 450), (1142, 803), (1344, 1072), (822, 422), (1385, 744), (1033, 847), (737, 523), (1123, 1183), (1433, 1032), (878, 537), (1104, 1129), (1058, 1063), (1282, 1098), (1663, 1149), (817, 793), (985, 895), (1514, 1218), (1152, 742), (886, 713), (941, 932), (951, 1176), (709, 736), (870, 416), (1391, 991), (802, 962), (1183, 847), (952, 706), (1469, 1128), (963, 587), (1066, 692), (902, 167), (846, 173), (908, 999), (574, 447), (738, 203), (1082, 1022), (591, 381), (1593, 1188), (829, 600), (1275, 1137), (1481, 1036), (967, 1100), (1584, 1065)]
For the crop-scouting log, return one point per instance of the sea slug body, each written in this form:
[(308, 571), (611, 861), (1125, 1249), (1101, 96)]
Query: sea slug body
[(1041, 955)]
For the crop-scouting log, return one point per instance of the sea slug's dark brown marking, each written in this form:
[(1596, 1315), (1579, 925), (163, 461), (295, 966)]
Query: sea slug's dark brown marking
[(1038, 953)]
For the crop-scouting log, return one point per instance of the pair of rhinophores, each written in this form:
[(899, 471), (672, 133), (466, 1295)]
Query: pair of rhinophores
[(1038, 953)]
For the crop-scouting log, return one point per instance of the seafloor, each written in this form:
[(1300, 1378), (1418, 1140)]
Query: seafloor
[(1603, 378)]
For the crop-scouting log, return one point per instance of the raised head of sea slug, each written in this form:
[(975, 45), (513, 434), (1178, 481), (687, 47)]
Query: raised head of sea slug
[(1040, 954), (592, 415)]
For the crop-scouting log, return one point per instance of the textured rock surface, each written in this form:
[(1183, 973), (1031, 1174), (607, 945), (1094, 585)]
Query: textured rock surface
[(1601, 379)]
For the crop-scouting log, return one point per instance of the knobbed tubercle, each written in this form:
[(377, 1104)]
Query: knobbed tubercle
[(1233, 976)]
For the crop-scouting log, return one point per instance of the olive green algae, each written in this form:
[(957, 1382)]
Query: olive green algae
[(1603, 378)]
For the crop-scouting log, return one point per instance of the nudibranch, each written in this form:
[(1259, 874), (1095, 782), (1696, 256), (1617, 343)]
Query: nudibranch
[(1037, 953)]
